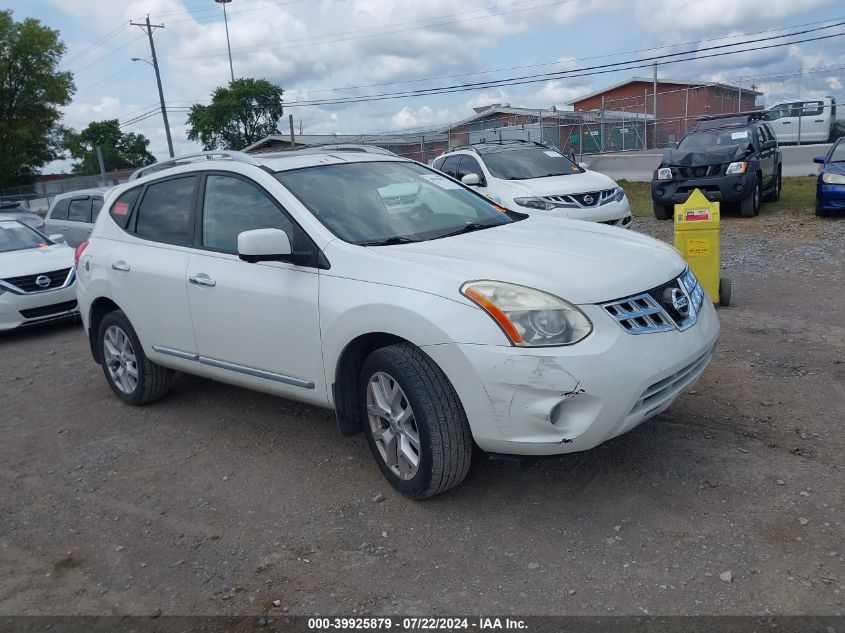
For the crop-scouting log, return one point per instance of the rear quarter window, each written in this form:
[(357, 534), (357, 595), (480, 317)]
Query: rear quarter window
[(121, 208), (164, 213)]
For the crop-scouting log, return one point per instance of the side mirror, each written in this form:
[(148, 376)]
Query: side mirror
[(261, 245), (471, 180), (584, 166), (770, 144), (58, 238), (819, 160)]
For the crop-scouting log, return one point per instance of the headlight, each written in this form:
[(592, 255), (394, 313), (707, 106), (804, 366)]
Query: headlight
[(535, 203), (664, 173), (617, 195), (833, 179), (528, 317), (737, 168)]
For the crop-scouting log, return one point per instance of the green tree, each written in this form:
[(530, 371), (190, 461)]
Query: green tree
[(32, 89), (120, 150), (241, 114)]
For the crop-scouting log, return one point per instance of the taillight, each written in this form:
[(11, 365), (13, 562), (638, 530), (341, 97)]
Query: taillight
[(77, 254)]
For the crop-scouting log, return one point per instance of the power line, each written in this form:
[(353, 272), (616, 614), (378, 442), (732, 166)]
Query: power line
[(582, 72), (77, 56)]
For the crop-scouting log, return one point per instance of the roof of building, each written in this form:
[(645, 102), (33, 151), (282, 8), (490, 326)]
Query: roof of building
[(311, 140), (675, 82)]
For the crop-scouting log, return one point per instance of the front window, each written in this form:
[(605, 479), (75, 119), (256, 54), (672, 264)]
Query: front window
[(17, 236), (371, 203), (523, 164), (709, 139), (837, 155)]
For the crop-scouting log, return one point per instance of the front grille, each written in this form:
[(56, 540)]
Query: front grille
[(668, 388), (28, 283), (655, 310), (586, 200), (56, 308), (702, 171)]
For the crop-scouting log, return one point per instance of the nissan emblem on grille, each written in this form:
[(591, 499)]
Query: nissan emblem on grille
[(676, 298), (43, 281), (588, 199)]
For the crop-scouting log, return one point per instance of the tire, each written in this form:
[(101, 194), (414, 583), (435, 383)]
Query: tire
[(121, 353), (751, 205), (724, 291), (822, 213), (443, 447), (662, 212), (774, 194)]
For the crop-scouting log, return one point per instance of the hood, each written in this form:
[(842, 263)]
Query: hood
[(711, 156), (557, 185), (582, 262), (33, 261)]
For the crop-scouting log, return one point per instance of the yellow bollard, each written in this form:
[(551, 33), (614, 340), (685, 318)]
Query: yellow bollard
[(697, 237)]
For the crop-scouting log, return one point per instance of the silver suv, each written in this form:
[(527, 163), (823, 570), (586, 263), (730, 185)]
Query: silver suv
[(73, 214)]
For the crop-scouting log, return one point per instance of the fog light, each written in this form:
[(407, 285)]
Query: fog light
[(738, 188)]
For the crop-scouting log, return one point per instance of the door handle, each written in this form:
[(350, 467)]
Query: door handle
[(202, 280), (121, 266), (64, 228), (787, 123), (818, 121)]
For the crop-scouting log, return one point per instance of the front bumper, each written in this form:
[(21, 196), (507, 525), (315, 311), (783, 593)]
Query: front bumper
[(546, 401), (613, 213), (732, 188), (830, 197), (38, 307)]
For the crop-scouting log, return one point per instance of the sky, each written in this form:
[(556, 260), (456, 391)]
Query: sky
[(319, 49)]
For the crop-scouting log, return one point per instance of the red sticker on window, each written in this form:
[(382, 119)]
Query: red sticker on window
[(120, 208)]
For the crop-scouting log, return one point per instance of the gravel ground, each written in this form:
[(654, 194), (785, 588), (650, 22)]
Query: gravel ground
[(222, 501)]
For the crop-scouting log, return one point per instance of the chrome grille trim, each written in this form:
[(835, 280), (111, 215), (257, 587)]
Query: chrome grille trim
[(645, 314), (577, 199), (13, 284)]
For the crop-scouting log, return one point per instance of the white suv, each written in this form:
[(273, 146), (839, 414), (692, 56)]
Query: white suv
[(537, 179), (429, 323)]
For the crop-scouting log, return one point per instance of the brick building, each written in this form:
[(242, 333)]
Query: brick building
[(679, 103)]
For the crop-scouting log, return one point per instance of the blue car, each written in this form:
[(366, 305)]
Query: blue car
[(830, 190)]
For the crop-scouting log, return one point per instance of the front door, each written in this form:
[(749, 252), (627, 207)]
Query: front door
[(256, 325)]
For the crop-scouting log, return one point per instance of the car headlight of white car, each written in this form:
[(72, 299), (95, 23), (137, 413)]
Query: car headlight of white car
[(833, 179), (529, 317), (535, 203)]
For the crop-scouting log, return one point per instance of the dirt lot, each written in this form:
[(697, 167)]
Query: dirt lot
[(217, 500)]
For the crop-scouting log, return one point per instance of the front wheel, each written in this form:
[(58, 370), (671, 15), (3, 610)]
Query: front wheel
[(415, 424), (751, 205), (662, 212), (133, 377)]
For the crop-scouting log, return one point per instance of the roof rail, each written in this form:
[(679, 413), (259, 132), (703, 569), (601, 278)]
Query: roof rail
[(224, 154), (346, 147), (750, 115), (507, 141)]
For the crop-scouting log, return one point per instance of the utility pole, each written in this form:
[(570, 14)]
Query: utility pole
[(292, 138), (739, 97), (148, 29), (102, 165), (654, 105), (229, 46)]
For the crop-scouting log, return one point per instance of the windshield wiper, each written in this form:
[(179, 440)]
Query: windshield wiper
[(469, 227), (389, 241)]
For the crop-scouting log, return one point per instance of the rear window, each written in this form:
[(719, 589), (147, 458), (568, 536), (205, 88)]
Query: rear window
[(122, 207), (59, 211), (164, 214)]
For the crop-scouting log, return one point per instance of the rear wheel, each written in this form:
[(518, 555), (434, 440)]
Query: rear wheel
[(414, 422), (132, 376), (724, 291), (774, 194), (662, 212), (751, 205)]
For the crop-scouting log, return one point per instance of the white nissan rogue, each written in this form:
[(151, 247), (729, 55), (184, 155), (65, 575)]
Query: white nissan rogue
[(537, 179), (416, 309)]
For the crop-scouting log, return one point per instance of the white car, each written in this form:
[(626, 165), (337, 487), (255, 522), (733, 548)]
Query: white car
[(429, 328), (36, 277), (534, 178), (73, 214)]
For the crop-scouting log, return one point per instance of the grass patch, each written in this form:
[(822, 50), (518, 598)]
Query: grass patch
[(798, 192)]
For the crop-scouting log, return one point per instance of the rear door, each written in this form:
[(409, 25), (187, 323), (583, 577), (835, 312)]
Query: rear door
[(78, 220), (815, 122), (767, 156), (147, 269)]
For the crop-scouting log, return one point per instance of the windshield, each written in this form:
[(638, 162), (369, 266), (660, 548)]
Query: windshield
[(838, 153), (708, 139), (16, 236), (522, 164), (370, 203)]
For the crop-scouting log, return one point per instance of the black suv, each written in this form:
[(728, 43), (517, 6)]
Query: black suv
[(731, 159)]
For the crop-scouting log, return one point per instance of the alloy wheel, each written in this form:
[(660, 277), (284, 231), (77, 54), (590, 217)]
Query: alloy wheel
[(393, 425), (120, 360)]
